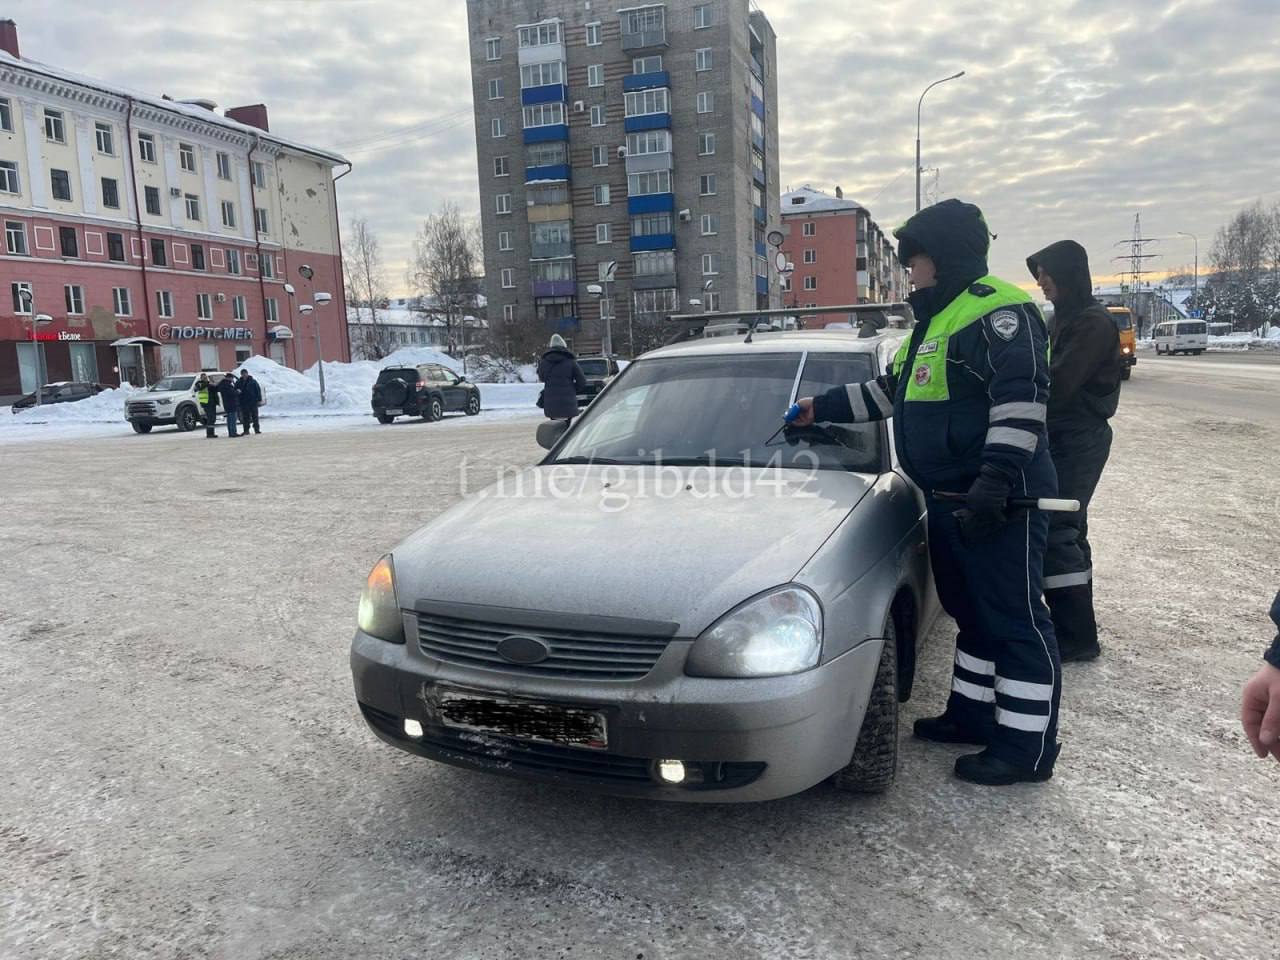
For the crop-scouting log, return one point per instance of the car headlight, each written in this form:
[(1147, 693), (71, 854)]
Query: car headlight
[(1124, 350), (379, 612), (776, 633), (164, 402)]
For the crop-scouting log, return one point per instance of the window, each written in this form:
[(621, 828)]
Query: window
[(193, 206), (702, 60), (542, 74), (706, 102), (542, 194), (651, 224), (643, 184), (757, 126), (187, 157), (811, 256), (655, 301), (9, 177), (6, 115), (493, 48), (707, 184), (273, 310), (55, 130), (267, 264), (147, 147), (654, 262), (595, 75), (68, 241), (811, 283), (711, 301), (757, 196), (593, 35), (15, 237), (153, 200), (552, 270), (258, 174), (73, 293), (504, 241), (204, 306), (261, 221), (540, 35), (601, 194), (238, 311), (110, 193), (496, 128), (106, 139), (508, 278), (20, 304), (224, 166), (61, 184), (651, 141), (546, 154), (706, 144), (495, 88), (503, 203), (641, 103), (197, 256), (702, 16), (122, 301), (810, 229), (643, 65), (158, 253), (228, 213), (501, 166), (597, 115), (233, 262), (603, 234), (786, 284), (115, 247), (508, 312), (710, 264), (710, 224), (599, 156), (543, 115)]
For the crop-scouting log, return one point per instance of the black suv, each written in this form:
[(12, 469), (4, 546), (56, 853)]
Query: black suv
[(599, 372), (428, 390)]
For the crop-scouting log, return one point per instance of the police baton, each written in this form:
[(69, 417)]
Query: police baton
[(1047, 504)]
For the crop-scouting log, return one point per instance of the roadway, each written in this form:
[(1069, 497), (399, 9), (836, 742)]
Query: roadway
[(1243, 385)]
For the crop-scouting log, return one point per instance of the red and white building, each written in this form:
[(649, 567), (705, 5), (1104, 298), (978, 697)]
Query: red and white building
[(158, 235), (841, 255)]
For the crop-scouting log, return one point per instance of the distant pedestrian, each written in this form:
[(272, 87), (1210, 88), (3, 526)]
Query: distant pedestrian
[(230, 401), (250, 399), (1084, 374), (1260, 710), (207, 397), (564, 380)]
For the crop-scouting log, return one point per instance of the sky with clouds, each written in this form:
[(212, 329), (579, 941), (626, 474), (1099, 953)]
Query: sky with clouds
[(1073, 115)]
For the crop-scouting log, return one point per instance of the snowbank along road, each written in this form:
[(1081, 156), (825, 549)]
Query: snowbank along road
[(185, 773)]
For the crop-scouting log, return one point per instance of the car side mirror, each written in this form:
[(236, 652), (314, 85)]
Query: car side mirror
[(550, 432)]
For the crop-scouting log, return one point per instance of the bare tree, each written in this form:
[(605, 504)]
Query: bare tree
[(444, 268), (362, 262), (1246, 261)]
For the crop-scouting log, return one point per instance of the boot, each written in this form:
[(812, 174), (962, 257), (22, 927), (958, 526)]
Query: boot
[(988, 770), (946, 729), (1073, 623)]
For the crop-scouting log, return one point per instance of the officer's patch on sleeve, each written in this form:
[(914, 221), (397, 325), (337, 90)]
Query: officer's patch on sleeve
[(1005, 323)]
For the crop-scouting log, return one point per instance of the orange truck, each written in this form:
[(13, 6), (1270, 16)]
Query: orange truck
[(1123, 318)]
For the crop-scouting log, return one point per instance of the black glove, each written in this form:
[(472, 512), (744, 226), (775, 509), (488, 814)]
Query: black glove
[(984, 512)]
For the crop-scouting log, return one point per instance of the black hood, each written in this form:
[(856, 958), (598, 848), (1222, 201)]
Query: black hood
[(955, 237), (559, 353), (1068, 264)]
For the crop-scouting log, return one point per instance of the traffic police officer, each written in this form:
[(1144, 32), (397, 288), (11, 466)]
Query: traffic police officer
[(207, 397), (967, 395)]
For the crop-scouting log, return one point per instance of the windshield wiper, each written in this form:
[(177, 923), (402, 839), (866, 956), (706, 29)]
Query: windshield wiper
[(603, 461), (700, 461)]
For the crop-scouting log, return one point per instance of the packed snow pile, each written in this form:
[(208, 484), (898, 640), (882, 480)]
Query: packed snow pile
[(105, 407)]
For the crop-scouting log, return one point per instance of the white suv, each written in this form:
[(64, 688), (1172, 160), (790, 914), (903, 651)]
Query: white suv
[(171, 400)]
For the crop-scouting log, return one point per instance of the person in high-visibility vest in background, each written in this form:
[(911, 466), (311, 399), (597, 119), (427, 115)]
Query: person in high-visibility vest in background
[(968, 394), (207, 397)]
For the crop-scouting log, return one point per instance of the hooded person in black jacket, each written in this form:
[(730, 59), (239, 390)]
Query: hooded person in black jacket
[(564, 380), (1085, 368)]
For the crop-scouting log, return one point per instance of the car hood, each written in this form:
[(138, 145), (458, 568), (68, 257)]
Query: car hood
[(159, 395), (556, 538)]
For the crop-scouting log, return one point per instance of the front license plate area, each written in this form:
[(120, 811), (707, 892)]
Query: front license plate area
[(524, 720)]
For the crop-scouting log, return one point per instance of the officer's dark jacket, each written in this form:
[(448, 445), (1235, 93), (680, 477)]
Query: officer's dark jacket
[(1273, 655), (969, 388), (1086, 363)]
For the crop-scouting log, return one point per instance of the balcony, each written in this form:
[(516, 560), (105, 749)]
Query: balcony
[(554, 288), (550, 93), (547, 134), (653, 241), (757, 106), (653, 281), (646, 81), (643, 39), (649, 162), (761, 250), (757, 141), (548, 212), (651, 203), (549, 174), (762, 285), (761, 216), (550, 250), (647, 121)]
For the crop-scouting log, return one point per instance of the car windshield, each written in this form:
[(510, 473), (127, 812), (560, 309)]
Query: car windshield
[(1122, 319), (173, 383), (727, 411), (595, 367)]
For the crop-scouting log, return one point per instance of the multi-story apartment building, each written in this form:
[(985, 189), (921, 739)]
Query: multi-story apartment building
[(841, 255), (639, 144), (157, 235)]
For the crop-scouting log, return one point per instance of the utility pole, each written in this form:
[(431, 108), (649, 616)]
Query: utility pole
[(1137, 262), (919, 106), (1195, 281)]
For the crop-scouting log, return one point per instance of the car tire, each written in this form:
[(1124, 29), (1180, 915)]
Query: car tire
[(434, 410), (1124, 374), (473, 404), (384, 419), (875, 756), (187, 419), (139, 427)]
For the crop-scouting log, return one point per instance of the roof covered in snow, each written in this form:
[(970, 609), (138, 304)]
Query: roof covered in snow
[(808, 200)]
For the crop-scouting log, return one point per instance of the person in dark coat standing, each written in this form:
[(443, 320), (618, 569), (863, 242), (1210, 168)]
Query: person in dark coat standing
[(250, 395), (207, 397), (230, 401), (564, 380), (1084, 372)]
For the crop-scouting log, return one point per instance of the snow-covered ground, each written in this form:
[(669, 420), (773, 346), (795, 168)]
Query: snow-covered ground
[(293, 401)]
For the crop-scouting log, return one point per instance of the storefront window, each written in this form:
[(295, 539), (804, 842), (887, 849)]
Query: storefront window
[(208, 356), (84, 362), (170, 359)]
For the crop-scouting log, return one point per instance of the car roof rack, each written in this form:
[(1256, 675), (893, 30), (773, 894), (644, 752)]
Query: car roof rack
[(693, 326)]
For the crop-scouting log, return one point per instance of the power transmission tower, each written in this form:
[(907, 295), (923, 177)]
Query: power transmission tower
[(1137, 262)]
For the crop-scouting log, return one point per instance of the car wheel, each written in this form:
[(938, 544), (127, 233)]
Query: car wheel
[(384, 419), (1124, 374), (187, 419), (140, 427), (473, 404), (875, 757), (434, 410)]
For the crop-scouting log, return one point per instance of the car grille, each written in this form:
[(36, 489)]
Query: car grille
[(143, 408), (574, 653)]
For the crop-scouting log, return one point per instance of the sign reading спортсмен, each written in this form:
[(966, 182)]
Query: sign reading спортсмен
[(172, 332)]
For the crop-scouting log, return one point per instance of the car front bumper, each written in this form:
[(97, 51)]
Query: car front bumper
[(741, 740)]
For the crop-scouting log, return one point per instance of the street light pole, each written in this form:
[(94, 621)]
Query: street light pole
[(1195, 289), (29, 302), (609, 273), (919, 106)]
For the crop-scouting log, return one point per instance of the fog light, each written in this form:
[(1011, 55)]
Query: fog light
[(671, 771), (413, 729)]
